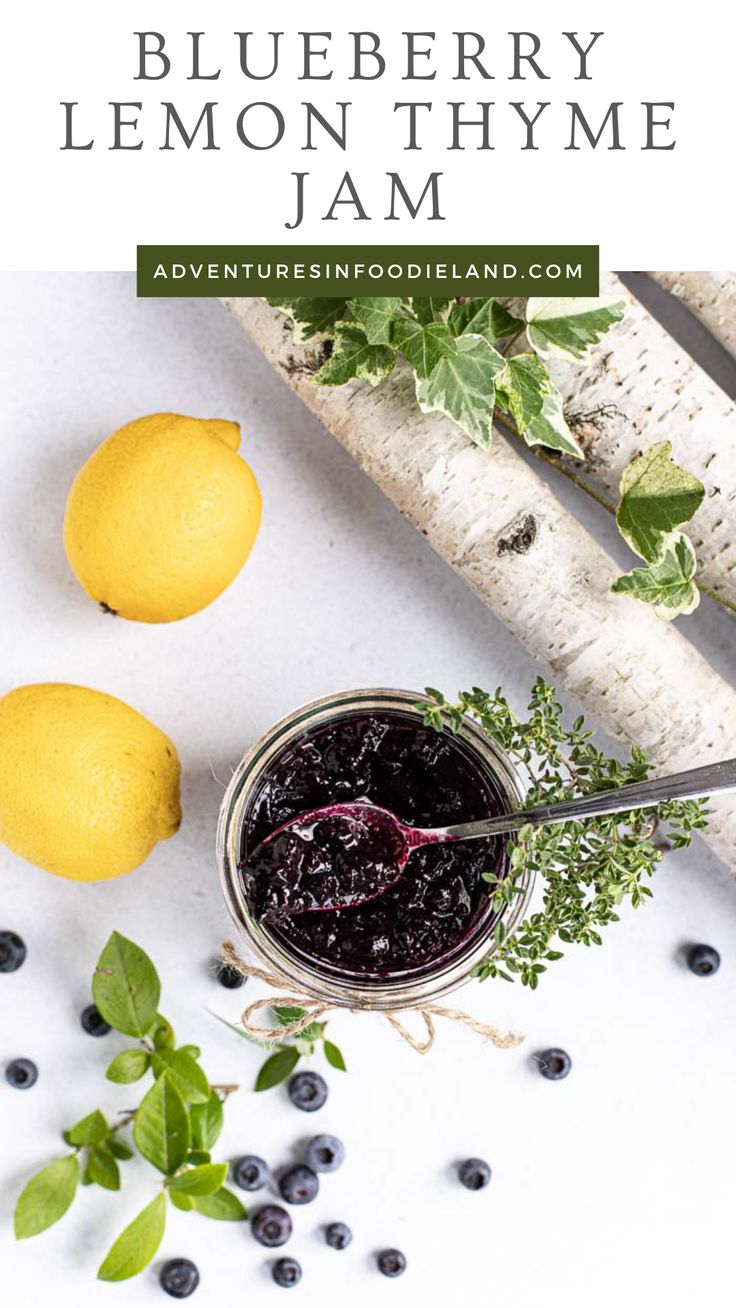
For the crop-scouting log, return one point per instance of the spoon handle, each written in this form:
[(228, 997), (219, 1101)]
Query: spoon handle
[(695, 783)]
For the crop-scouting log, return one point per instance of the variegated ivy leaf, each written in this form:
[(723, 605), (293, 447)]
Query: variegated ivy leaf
[(486, 318), (430, 308), (462, 386), (354, 356), (668, 583), (376, 317), (657, 496), (522, 387), (560, 328), (313, 316), (549, 427), (423, 345)]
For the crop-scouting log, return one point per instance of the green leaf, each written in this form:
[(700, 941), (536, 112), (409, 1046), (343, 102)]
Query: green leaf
[(462, 386), (126, 987), (354, 356), (206, 1120), (224, 1206), (485, 318), (187, 1075), (667, 584), (430, 308), (423, 346), (197, 1156), (561, 328), (128, 1066), (277, 1068), (657, 496), (90, 1130), (313, 316), (194, 1051), (161, 1130), (522, 387), (182, 1201), (118, 1149), (551, 429), (286, 1014), (163, 1033), (205, 1179), (334, 1056), (138, 1244), (102, 1168), (376, 316), (46, 1197)]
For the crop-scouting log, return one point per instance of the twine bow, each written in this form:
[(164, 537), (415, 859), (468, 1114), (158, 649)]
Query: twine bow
[(314, 1009)]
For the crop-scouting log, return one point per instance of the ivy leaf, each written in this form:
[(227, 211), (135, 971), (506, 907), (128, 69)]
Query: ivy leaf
[(125, 987), (186, 1075), (376, 317), (313, 316), (223, 1206), (206, 1121), (128, 1066), (430, 308), (91, 1130), (277, 1068), (462, 386), (485, 318), (560, 328), (334, 1056), (354, 356), (423, 346), (46, 1197), (161, 1130), (657, 496), (522, 387), (138, 1244), (667, 583), (102, 1168), (550, 428), (205, 1179)]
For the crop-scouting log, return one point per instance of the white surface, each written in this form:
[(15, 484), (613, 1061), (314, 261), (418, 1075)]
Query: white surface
[(612, 1184), (637, 204)]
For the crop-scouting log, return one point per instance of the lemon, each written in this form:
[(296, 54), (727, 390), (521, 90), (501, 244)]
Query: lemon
[(87, 785), (162, 517)]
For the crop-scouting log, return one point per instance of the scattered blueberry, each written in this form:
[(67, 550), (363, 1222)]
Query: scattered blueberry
[(703, 960), (229, 977), (179, 1278), (271, 1225), (391, 1262), (21, 1074), (325, 1153), (249, 1172), (474, 1174), (93, 1022), (12, 951), (308, 1091), (286, 1272), (554, 1064), (338, 1235), (299, 1185)]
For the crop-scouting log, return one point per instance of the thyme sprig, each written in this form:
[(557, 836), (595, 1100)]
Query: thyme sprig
[(586, 869)]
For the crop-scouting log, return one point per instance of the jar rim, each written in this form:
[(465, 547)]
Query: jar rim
[(387, 993)]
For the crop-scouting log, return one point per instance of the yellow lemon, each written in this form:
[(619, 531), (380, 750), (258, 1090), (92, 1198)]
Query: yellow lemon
[(162, 517), (87, 785)]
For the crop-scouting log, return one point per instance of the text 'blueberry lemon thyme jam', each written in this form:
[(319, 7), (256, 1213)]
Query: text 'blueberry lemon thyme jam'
[(370, 918)]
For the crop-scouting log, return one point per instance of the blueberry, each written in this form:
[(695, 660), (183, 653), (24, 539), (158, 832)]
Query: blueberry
[(474, 1174), (308, 1091), (179, 1278), (703, 960), (229, 977), (93, 1022), (21, 1074), (249, 1172), (286, 1272), (299, 1185), (391, 1262), (554, 1064), (12, 951), (325, 1153), (338, 1235), (271, 1225)]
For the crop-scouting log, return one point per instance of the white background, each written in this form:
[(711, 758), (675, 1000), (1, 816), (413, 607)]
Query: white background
[(612, 1185), (88, 210)]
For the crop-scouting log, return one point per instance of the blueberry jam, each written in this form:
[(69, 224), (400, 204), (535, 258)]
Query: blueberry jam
[(386, 924)]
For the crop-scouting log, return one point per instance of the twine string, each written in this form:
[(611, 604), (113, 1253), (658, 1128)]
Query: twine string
[(314, 1009)]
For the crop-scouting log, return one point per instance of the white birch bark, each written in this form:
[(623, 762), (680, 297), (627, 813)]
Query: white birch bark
[(498, 524), (710, 297), (640, 387)]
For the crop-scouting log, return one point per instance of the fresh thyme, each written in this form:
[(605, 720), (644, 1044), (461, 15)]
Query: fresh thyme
[(586, 869)]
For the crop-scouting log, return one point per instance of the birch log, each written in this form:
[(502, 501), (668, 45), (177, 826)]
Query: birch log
[(710, 297), (497, 523)]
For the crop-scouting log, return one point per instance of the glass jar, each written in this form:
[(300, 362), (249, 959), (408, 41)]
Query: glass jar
[(305, 976)]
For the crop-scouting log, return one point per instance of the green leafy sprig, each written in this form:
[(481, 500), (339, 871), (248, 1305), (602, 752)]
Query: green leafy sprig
[(280, 1064), (586, 869), (175, 1126)]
